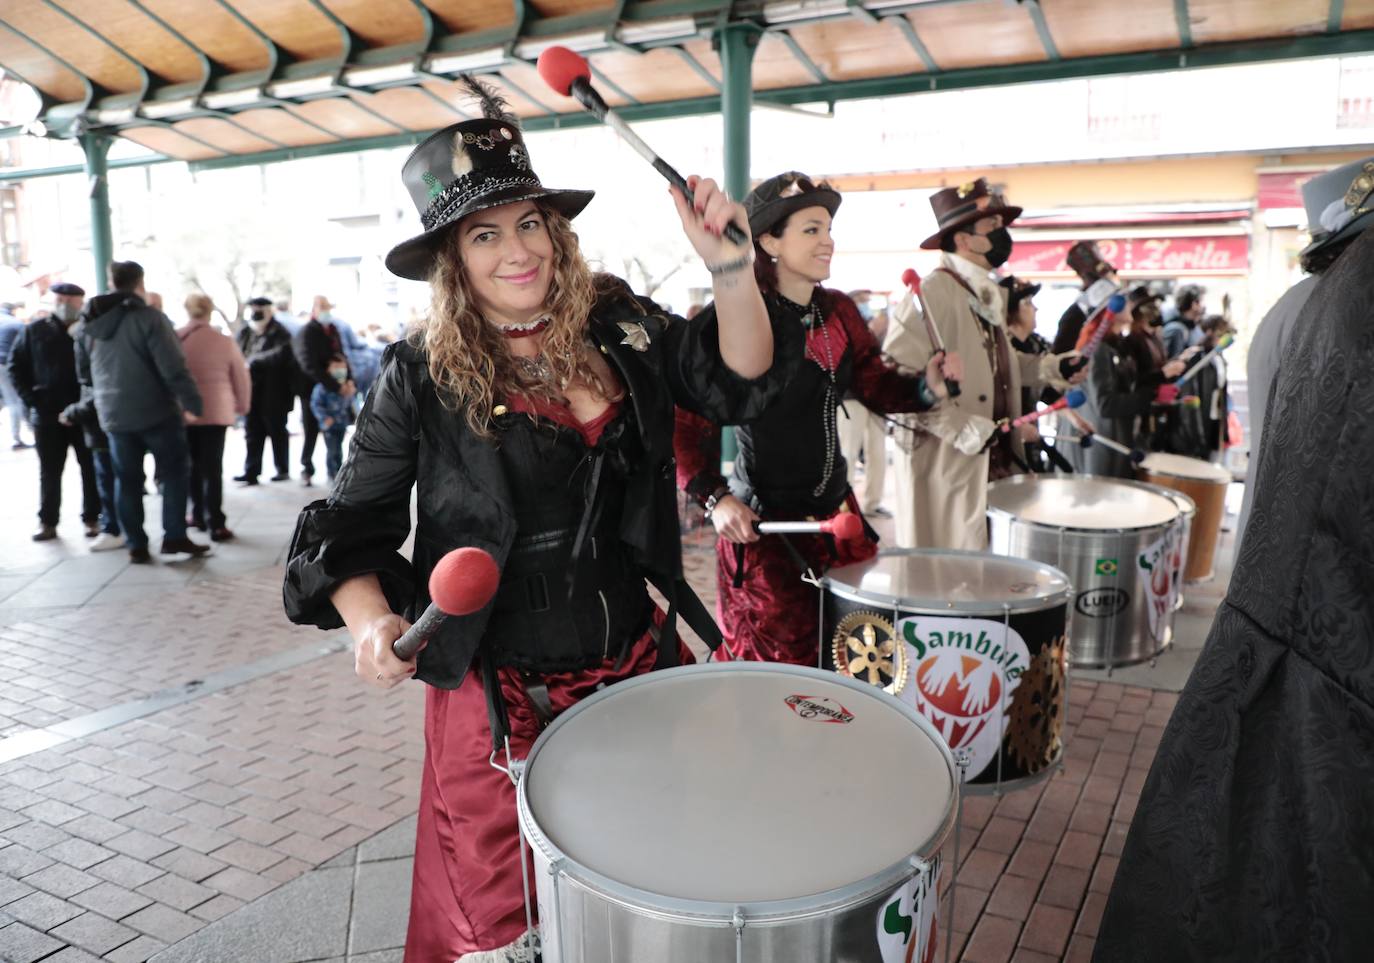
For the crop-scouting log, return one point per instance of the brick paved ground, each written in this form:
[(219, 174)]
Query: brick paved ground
[(270, 820)]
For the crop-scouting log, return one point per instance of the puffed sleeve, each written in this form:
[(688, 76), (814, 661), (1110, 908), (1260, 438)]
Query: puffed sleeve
[(879, 382), (361, 526), (701, 381)]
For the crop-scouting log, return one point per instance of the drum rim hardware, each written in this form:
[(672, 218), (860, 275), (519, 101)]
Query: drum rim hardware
[(1018, 480)]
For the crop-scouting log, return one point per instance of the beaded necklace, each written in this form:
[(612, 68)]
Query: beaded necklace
[(811, 320)]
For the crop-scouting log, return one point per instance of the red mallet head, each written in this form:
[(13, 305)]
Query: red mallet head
[(464, 580), (560, 66), (847, 527), (912, 280)]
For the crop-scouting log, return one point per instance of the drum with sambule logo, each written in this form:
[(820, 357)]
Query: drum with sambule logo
[(975, 642), (738, 811), (1116, 541), (1206, 484)]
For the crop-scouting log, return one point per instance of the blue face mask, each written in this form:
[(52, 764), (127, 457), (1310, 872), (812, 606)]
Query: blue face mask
[(866, 311), (340, 374)]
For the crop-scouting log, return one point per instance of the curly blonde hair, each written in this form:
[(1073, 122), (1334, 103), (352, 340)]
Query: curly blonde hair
[(470, 360)]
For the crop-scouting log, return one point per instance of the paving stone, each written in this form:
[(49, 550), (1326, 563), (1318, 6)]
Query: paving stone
[(60, 880), (259, 831), (199, 838), (260, 807), (110, 900), (19, 861), (1079, 850), (140, 845), (189, 864), (248, 856), (239, 883), (136, 951), (1031, 860), (52, 812), (1103, 874), (398, 841), (177, 892), (24, 944), (94, 829), (42, 911), (95, 933), (993, 940), (78, 853), (126, 871), (218, 907), (1047, 930), (1048, 825), (1064, 887), (12, 889), (165, 923), (379, 921), (269, 930), (1013, 897), (1080, 950), (71, 954), (151, 821)]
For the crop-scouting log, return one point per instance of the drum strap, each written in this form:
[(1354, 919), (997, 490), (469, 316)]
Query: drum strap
[(538, 691), (682, 599), (496, 706)]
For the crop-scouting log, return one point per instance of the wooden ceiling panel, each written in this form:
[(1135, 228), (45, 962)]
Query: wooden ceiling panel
[(520, 77), (225, 136), (1218, 21), (345, 119), (36, 67), (141, 37), (1087, 28), (776, 66), (655, 75), (708, 58), (1357, 15), (166, 141), (382, 23), (857, 50), (559, 8), (297, 26), (74, 44), (978, 34), (464, 16), (282, 126), (409, 107), (219, 34), (456, 97)]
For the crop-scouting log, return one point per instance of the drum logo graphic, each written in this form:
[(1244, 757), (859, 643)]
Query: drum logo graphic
[(1157, 565), (907, 930), (965, 673), (819, 708), (1102, 603)]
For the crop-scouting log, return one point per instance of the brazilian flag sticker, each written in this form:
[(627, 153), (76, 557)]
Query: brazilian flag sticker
[(1105, 566)]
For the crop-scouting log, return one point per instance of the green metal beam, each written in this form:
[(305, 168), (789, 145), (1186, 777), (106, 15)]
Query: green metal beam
[(86, 82), (207, 67), (144, 80), (96, 146), (696, 65), (1335, 16), (604, 81), (16, 174), (800, 55), (1042, 28), (1184, 19), (914, 39)]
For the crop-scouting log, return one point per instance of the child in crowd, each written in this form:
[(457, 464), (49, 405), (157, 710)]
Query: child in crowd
[(334, 411)]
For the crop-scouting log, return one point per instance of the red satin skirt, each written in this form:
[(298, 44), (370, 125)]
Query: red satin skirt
[(774, 616), (467, 894)]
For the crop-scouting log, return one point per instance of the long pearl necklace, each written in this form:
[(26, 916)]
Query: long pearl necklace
[(811, 320)]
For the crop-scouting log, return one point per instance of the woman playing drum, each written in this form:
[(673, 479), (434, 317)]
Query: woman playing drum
[(789, 465), (532, 411)]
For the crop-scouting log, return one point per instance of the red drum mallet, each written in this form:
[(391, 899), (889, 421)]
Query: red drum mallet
[(846, 527), (913, 281), (463, 582), (1073, 399), (569, 74)]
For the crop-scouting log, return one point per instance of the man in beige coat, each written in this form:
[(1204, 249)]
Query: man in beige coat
[(942, 473)]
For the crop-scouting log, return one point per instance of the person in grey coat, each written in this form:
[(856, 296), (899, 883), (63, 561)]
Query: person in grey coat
[(141, 386)]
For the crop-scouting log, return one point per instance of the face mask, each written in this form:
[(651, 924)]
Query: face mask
[(324, 317), (260, 314), (340, 374), (66, 313), (259, 325), (1000, 250), (866, 311)]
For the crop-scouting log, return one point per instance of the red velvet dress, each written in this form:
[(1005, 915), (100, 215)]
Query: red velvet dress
[(789, 467)]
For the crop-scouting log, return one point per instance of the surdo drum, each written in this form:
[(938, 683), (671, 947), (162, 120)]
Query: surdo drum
[(1204, 483), (1178, 555), (976, 643), (1116, 541), (738, 811)]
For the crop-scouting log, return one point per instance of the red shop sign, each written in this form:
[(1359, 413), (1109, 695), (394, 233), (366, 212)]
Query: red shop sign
[(1217, 254)]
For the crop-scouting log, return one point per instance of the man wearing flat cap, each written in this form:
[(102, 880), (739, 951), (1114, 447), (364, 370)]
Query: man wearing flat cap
[(942, 480), (266, 345), (42, 365)]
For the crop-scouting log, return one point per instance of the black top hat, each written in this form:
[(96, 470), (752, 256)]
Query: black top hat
[(1085, 260), (957, 207), (778, 198), (468, 167), (1340, 204), (68, 288), (1018, 290)]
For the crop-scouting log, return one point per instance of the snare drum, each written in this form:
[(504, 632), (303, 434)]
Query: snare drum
[(738, 811), (1206, 484), (975, 642), (1114, 539)]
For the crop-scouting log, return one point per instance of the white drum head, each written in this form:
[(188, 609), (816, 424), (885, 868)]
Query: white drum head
[(1082, 503), (948, 581), (1180, 466), (720, 784)]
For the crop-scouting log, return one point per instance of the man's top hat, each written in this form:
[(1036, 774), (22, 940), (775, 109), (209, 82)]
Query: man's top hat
[(958, 207), (1087, 262), (468, 167), (776, 199), (1339, 204)]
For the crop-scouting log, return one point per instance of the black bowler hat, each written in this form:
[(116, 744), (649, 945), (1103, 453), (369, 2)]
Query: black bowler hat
[(778, 198), (260, 302), (68, 288), (959, 207), (470, 167)]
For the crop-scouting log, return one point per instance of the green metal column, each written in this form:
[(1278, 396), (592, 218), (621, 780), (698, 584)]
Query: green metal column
[(736, 43), (97, 149)]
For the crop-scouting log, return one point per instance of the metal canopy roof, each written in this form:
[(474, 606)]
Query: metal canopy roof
[(223, 81)]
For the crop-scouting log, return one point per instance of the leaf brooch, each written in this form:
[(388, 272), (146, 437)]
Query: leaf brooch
[(636, 336)]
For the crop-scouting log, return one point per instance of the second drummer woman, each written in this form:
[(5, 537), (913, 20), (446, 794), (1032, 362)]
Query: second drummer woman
[(789, 465), (532, 413)]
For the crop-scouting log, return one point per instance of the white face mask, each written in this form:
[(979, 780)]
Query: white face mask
[(324, 317), (66, 313)]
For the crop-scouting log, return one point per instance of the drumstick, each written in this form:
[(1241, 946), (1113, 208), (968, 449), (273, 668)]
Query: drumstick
[(913, 280), (1073, 399), (846, 527), (463, 582), (1134, 454), (1115, 304), (569, 74), (1222, 345)]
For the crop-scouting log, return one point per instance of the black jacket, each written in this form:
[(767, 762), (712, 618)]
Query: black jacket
[(1254, 835), (313, 347), (405, 438), (82, 411), (42, 366), (271, 367)]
